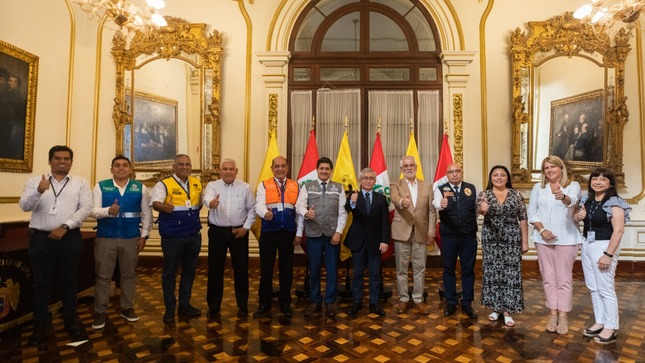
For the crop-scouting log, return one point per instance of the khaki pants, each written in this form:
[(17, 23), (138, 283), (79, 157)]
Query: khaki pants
[(107, 251)]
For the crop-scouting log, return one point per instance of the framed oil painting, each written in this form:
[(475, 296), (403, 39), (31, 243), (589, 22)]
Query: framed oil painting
[(18, 84), (152, 138), (578, 128)]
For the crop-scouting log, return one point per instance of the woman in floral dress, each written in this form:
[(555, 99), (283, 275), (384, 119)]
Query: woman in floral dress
[(504, 240)]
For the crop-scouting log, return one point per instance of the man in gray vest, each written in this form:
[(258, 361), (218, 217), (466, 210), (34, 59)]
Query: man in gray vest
[(322, 204)]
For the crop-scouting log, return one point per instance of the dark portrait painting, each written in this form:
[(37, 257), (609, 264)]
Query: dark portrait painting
[(18, 78), (577, 127), (154, 130)]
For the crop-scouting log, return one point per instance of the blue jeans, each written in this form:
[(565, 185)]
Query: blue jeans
[(362, 259), (176, 250), (463, 247), (316, 248), (50, 260)]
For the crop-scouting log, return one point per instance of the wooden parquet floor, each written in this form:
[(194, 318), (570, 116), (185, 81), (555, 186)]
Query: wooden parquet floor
[(366, 338)]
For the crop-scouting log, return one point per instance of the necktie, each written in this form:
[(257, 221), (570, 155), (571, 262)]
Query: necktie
[(324, 187), (457, 189), (282, 185), (368, 202)]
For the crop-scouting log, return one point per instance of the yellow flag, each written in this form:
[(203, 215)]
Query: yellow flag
[(345, 174), (413, 151), (266, 173)]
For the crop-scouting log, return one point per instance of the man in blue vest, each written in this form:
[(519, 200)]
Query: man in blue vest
[(178, 201), (124, 217), (456, 203)]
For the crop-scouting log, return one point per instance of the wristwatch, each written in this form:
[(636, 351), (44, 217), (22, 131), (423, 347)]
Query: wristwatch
[(65, 227)]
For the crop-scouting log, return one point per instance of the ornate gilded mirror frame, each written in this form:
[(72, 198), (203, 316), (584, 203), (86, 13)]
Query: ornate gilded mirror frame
[(188, 42), (565, 36)]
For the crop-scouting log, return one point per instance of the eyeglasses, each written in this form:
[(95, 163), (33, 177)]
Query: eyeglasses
[(409, 166), (368, 178), (456, 171)]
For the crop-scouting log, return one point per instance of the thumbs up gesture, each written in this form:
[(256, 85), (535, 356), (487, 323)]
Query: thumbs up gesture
[(581, 214), (483, 207), (444, 202), (215, 202), (43, 185), (354, 197), (311, 213), (114, 208), (406, 202)]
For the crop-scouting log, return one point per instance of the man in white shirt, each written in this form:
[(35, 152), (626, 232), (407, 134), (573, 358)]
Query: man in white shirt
[(231, 213), (59, 203), (120, 206)]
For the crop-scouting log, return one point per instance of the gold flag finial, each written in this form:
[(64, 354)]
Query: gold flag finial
[(313, 122), (346, 123), (378, 125), (411, 125)]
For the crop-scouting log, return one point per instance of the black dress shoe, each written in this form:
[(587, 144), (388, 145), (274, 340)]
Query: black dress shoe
[(286, 311), (189, 310), (243, 312), (468, 310), (38, 337), (74, 329), (376, 309), (262, 311), (212, 313), (354, 309), (314, 308), (169, 315), (449, 309)]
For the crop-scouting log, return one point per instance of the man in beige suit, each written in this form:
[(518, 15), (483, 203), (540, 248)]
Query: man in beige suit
[(413, 229)]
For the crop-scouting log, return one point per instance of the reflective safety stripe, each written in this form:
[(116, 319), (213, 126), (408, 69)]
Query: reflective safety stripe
[(130, 215), (286, 205), (177, 208)]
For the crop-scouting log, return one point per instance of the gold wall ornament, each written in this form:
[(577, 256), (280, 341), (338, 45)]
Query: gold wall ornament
[(458, 131), (273, 114), (17, 108), (564, 37), (192, 45)]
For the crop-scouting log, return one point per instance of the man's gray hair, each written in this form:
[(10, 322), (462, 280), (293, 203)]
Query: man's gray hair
[(365, 171), (407, 157), (229, 160), (179, 156)]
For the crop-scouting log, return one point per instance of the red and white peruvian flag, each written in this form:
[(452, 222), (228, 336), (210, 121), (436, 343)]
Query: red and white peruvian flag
[(377, 163), (308, 173), (308, 167)]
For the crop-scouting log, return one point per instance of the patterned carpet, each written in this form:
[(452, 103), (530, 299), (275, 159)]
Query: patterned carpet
[(366, 338)]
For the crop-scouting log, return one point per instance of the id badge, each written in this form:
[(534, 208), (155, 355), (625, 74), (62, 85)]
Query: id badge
[(188, 204), (591, 236), (280, 207), (53, 210)]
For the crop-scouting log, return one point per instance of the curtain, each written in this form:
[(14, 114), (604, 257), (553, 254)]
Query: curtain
[(429, 131), (395, 110), (332, 107), (301, 114)]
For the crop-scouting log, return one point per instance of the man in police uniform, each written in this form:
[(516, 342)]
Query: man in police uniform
[(275, 203), (178, 201), (120, 205), (456, 202), (322, 204)]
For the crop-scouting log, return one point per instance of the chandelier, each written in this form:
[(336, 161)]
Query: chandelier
[(125, 14), (606, 12)]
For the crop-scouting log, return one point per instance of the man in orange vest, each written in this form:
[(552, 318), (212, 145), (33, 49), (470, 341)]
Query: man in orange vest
[(281, 230)]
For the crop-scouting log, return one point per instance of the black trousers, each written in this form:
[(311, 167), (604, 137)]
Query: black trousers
[(463, 247), (221, 239), (55, 260), (270, 243)]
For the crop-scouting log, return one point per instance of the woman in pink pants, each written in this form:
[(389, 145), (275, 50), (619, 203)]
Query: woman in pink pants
[(557, 237)]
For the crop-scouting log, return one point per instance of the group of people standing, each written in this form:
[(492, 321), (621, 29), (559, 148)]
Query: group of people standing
[(319, 210)]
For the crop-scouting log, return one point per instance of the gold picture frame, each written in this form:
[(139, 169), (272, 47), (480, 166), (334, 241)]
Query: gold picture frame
[(152, 139), (578, 129), (18, 86)]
